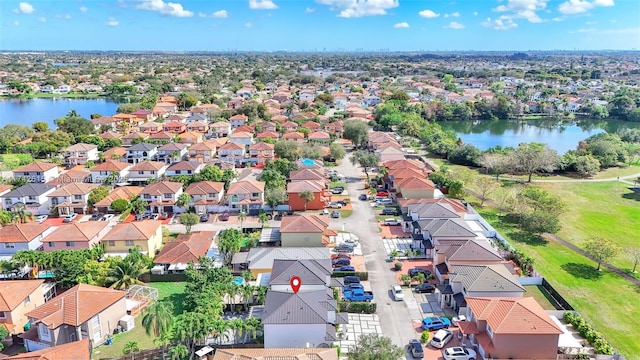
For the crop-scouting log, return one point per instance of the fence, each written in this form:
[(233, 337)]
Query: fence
[(149, 278), (556, 296)]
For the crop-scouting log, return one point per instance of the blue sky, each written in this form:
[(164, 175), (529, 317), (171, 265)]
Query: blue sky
[(317, 25)]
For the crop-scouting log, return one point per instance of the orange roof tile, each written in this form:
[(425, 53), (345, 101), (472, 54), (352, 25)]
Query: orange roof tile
[(36, 166), (13, 292), (21, 233), (76, 350), (304, 224), (513, 315), (139, 230), (77, 231)]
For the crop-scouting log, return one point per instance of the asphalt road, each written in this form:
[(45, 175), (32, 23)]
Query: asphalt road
[(395, 319)]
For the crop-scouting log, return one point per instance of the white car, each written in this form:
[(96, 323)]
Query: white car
[(107, 217), (441, 338), (458, 353), (398, 295), (335, 205), (41, 218), (392, 222), (457, 319)]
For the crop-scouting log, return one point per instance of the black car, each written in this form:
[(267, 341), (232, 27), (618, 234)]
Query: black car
[(363, 197), (352, 279), (390, 211), (96, 216), (341, 262), (344, 247), (415, 271), (416, 349), (335, 214), (425, 288), (204, 217)]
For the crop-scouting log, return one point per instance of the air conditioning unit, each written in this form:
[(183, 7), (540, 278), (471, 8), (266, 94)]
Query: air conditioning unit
[(127, 322)]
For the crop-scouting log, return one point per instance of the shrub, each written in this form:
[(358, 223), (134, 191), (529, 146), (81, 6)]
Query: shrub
[(397, 266), (363, 275), (358, 307), (568, 317), (424, 338)]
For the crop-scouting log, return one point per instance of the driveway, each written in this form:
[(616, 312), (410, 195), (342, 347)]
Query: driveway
[(394, 316)]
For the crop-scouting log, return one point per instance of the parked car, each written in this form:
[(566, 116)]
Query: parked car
[(398, 294), (224, 216), (69, 218), (352, 279), (107, 217), (341, 262), (392, 222), (337, 190), (385, 201), (382, 194), (353, 286), (458, 319), (335, 205), (415, 271), (363, 197), (96, 216), (435, 323), (154, 217), (344, 268), (416, 349), (204, 217), (390, 211), (344, 247), (41, 218), (425, 288), (340, 256), (335, 214), (358, 295), (441, 338), (140, 217), (458, 353)]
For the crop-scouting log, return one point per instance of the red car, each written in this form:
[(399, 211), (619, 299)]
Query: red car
[(340, 256), (224, 216), (382, 193)]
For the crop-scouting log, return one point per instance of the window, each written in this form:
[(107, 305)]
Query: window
[(32, 197), (52, 244), (71, 243), (111, 243), (147, 196), (3, 315), (129, 242), (140, 172), (178, 172), (189, 172), (212, 195), (255, 195), (7, 201), (153, 172), (167, 196), (27, 300), (77, 197), (489, 331), (10, 245)]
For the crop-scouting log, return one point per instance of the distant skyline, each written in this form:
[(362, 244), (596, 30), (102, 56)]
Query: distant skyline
[(320, 25)]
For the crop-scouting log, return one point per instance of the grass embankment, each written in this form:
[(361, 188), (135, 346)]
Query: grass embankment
[(603, 298), (174, 292)]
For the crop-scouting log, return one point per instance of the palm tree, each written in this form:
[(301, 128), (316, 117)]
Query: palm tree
[(263, 218), (242, 217), (178, 352), (306, 196), (130, 347), (72, 113), (158, 318), (261, 294), (247, 293), (21, 213), (184, 200), (124, 273), (238, 326), (252, 325)]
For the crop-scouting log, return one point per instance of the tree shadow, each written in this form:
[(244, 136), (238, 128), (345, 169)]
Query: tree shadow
[(177, 301), (582, 271), (527, 238), (633, 195)]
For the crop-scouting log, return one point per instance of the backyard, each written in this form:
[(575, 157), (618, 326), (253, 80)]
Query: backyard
[(605, 299), (166, 290)]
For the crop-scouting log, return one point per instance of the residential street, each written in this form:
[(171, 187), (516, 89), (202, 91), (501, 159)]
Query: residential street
[(394, 316)]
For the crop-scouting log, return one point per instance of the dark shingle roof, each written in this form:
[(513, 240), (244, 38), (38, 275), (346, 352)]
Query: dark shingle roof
[(143, 147), (302, 308), (33, 189), (310, 272)]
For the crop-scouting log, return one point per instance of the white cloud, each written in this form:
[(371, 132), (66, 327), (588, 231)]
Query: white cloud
[(557, 19), (169, 8), (220, 14), (16, 23), (84, 9), (248, 25), (429, 14), (455, 14), (112, 22), (402, 25), (360, 8), (262, 5), (522, 9), (24, 8), (454, 26), (500, 24), (42, 19), (65, 16), (475, 13), (309, 10), (623, 31), (580, 6)]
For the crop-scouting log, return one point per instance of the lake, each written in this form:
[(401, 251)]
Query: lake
[(560, 135), (29, 111)]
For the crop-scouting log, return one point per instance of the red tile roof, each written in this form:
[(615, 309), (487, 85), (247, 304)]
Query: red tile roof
[(21, 233), (13, 292), (76, 350), (513, 315), (304, 224)]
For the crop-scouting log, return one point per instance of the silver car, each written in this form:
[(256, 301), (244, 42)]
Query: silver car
[(458, 353)]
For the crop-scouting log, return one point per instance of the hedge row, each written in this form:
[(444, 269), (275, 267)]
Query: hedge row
[(586, 331), (357, 307), (363, 275)]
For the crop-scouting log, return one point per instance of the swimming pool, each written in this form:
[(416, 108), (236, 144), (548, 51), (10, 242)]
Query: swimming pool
[(238, 280)]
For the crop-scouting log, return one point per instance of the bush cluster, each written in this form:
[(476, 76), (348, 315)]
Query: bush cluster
[(357, 307), (586, 331), (363, 275)]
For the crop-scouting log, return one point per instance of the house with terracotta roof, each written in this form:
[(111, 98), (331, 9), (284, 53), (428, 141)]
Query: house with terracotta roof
[(141, 152), (129, 119), (16, 237), (177, 254), (33, 196), (145, 234), (172, 152), (167, 106), (220, 129), (198, 126), (37, 172), (76, 235), (101, 173), (238, 120), (143, 114), (235, 103), (510, 328), (288, 126), (246, 196), (115, 153), (120, 192), (241, 137), (303, 231), (314, 126), (206, 196), (320, 137), (82, 312), (416, 188), (245, 128), (77, 350), (18, 297), (294, 136), (162, 196), (389, 153), (203, 152), (160, 138), (260, 152), (79, 154), (106, 123), (189, 137), (268, 126), (184, 168), (151, 127), (336, 128), (71, 198), (134, 138), (146, 170), (279, 353), (321, 196), (77, 174), (174, 127), (232, 152), (268, 135), (307, 174)]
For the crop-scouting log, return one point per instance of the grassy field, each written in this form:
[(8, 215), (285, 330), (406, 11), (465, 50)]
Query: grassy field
[(541, 295), (166, 290), (599, 210), (603, 298)]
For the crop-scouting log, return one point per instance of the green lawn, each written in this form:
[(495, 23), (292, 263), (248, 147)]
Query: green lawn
[(541, 295), (345, 213), (603, 298), (599, 210), (173, 291)]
